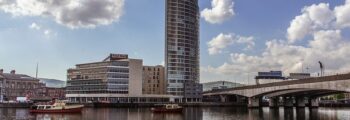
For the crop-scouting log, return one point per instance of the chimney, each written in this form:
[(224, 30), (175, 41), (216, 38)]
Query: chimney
[(13, 72), (1, 71)]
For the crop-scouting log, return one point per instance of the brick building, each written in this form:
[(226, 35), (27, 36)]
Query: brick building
[(18, 85), (153, 81), (56, 93)]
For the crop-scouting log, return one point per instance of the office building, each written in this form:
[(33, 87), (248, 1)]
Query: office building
[(116, 79), (182, 45), (55, 93), (297, 76), (269, 77), (219, 85), (116, 74), (153, 81)]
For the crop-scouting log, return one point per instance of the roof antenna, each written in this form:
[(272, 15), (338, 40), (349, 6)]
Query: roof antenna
[(37, 68)]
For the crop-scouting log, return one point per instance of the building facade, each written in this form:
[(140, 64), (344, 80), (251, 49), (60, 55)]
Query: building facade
[(117, 75), (56, 93), (153, 81), (182, 44), (218, 85), (18, 85), (192, 91), (269, 77), (297, 76)]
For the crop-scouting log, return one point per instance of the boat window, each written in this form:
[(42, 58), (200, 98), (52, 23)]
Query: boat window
[(34, 107)]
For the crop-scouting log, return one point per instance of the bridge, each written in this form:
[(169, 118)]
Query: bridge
[(289, 93)]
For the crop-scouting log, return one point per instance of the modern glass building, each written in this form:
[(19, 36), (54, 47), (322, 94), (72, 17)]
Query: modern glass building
[(182, 44), (269, 77), (218, 85), (116, 79), (116, 75)]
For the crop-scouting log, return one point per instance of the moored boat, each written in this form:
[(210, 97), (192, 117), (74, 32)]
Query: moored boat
[(57, 107), (168, 108)]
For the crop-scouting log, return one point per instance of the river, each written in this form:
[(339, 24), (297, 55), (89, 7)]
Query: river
[(198, 113)]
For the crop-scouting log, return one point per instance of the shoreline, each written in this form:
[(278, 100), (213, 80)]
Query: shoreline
[(146, 105)]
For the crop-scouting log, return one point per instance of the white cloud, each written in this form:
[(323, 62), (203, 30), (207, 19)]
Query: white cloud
[(71, 13), (47, 32), (35, 26), (221, 11), (313, 18), (222, 41), (249, 41), (321, 14), (299, 28), (343, 14), (327, 45), (326, 40)]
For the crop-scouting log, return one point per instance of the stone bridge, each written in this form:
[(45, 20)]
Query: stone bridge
[(300, 91)]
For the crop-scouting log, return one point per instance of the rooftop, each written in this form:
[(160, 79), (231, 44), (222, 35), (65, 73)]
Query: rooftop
[(10, 76), (215, 82)]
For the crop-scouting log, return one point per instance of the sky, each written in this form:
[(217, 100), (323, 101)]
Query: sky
[(238, 38)]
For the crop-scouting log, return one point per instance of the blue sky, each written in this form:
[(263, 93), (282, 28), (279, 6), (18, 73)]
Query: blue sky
[(139, 32)]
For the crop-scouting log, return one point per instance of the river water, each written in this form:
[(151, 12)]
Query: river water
[(204, 113)]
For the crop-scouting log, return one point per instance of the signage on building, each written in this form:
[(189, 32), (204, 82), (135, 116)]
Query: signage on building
[(118, 56)]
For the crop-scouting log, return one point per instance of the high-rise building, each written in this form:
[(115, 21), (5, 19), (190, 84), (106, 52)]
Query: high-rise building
[(182, 45), (153, 81)]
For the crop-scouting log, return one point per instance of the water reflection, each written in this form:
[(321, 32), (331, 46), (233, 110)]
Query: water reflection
[(212, 113)]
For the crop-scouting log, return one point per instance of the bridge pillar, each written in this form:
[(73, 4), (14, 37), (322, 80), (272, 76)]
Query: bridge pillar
[(288, 101), (300, 102), (238, 100), (314, 102), (253, 102), (273, 103), (223, 98)]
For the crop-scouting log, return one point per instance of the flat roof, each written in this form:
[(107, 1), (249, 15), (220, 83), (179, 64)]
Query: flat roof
[(10, 76)]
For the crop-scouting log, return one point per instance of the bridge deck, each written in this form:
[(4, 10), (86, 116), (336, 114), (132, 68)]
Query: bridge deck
[(291, 82)]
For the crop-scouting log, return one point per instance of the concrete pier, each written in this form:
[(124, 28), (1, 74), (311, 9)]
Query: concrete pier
[(314, 103), (253, 102), (223, 98), (288, 102), (273, 103), (300, 102)]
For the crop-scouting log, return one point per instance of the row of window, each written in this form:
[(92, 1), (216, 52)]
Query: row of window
[(119, 70), (150, 69), (20, 85), (97, 92)]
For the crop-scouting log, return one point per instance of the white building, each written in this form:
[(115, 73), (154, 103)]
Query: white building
[(115, 79)]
